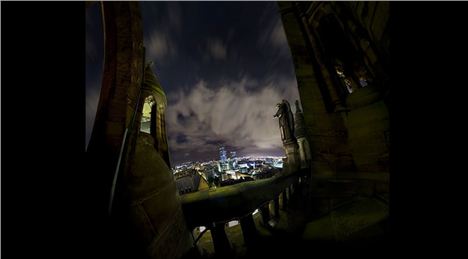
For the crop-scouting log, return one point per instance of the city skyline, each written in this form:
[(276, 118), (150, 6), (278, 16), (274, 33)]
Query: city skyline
[(208, 160)]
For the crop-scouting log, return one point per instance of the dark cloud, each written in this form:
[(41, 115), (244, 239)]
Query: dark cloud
[(174, 15), (162, 33), (90, 48), (214, 142), (217, 49), (278, 37), (160, 46), (181, 138)]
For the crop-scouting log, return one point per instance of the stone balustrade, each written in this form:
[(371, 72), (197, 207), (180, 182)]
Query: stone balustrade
[(215, 207)]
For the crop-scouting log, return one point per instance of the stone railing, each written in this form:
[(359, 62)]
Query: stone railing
[(215, 207)]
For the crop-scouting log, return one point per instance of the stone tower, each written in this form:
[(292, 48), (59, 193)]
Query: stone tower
[(146, 219)]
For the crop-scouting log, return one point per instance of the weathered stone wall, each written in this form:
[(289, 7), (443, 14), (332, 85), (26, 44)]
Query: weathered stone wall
[(326, 131), (348, 133), (154, 207), (368, 121), (368, 26), (374, 17)]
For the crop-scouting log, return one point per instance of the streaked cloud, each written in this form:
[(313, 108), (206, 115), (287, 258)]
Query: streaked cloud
[(160, 47), (161, 36), (277, 36), (231, 114)]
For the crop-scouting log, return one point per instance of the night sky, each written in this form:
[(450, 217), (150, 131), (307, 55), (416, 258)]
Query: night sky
[(223, 65)]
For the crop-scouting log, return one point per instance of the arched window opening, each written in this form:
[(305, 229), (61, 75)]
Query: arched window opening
[(146, 116)]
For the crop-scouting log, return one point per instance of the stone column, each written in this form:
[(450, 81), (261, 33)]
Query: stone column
[(292, 153), (276, 206), (248, 230), (220, 240), (304, 152), (285, 199), (265, 211), (297, 186)]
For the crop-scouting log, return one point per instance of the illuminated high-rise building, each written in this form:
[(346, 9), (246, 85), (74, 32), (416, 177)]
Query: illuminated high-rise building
[(222, 154), (220, 169), (233, 159)]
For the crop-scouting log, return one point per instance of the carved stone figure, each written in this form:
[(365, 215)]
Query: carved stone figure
[(286, 121)]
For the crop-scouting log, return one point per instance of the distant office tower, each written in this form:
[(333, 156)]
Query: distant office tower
[(233, 160), (222, 154), (229, 164), (220, 169)]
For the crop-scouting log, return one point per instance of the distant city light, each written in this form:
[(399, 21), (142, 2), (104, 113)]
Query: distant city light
[(193, 176)]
